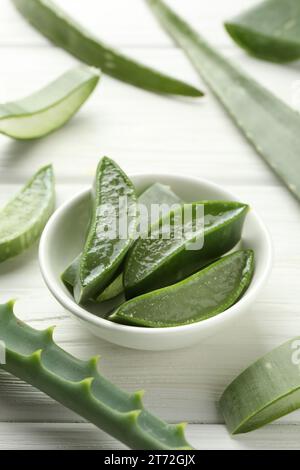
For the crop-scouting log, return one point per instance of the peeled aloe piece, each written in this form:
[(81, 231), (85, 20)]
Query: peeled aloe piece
[(63, 31), (33, 356), (270, 30), (114, 209), (203, 295), (22, 220), (50, 108), (156, 261), (265, 391), (268, 123)]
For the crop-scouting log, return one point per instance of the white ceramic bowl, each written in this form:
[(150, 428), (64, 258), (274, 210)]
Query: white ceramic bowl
[(63, 239)]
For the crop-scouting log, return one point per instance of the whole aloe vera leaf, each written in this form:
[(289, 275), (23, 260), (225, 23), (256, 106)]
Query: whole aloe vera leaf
[(114, 209), (33, 356), (50, 108), (157, 193), (270, 30), (268, 123), (265, 391), (202, 295), (23, 218), (63, 31), (155, 262)]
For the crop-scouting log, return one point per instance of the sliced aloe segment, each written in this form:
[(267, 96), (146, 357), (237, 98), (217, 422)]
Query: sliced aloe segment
[(157, 193), (63, 31), (270, 30), (156, 261), (22, 220), (112, 229), (257, 112), (203, 295), (34, 357), (49, 108), (265, 391)]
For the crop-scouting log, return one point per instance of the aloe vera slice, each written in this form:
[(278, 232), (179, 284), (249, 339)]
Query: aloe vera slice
[(268, 123), (156, 262), (33, 356), (114, 203), (203, 295), (157, 193), (49, 108), (22, 220), (63, 31), (265, 391), (270, 30)]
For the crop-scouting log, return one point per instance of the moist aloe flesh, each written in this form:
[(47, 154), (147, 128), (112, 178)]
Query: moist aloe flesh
[(105, 245), (23, 218), (49, 108), (156, 262), (199, 297)]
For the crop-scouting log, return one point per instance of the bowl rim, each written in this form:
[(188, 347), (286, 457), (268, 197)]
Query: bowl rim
[(82, 314)]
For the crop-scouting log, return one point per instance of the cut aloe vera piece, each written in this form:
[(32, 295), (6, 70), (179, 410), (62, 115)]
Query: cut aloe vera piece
[(157, 193), (156, 261), (63, 31), (268, 123), (112, 229), (265, 391), (203, 295), (33, 356), (49, 108), (22, 220), (270, 30)]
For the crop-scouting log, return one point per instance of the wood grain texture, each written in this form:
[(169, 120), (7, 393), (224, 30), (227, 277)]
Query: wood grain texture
[(145, 132)]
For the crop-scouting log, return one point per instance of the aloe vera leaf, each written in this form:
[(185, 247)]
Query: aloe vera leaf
[(270, 30), (265, 391), (33, 356), (268, 123), (50, 108), (157, 193), (114, 205), (202, 295), (23, 218), (62, 30), (156, 262)]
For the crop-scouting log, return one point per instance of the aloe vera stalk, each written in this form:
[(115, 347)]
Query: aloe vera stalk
[(157, 193), (62, 30), (265, 391), (114, 207), (270, 30), (50, 108), (268, 123), (23, 218), (33, 356), (203, 295), (155, 262)]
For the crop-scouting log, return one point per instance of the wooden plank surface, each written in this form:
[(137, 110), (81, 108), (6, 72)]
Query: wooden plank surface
[(147, 133)]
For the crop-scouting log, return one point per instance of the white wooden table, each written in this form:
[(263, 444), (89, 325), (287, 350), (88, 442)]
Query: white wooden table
[(145, 132)]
